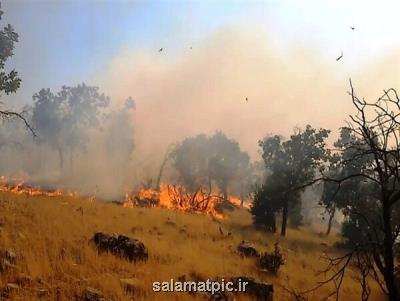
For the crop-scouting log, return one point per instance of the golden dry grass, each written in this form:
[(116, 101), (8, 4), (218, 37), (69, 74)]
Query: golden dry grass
[(51, 238)]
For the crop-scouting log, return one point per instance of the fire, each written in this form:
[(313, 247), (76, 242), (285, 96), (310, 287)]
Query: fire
[(173, 197), (178, 198), (245, 203), (18, 186)]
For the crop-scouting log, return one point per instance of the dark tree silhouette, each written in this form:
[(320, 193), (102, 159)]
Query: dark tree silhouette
[(374, 214), (376, 127), (265, 206), (290, 164)]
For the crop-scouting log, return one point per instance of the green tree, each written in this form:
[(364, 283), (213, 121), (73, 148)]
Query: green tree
[(292, 163), (9, 81), (267, 201)]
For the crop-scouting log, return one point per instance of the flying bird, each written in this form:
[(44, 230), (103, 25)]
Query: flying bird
[(247, 99), (191, 47), (161, 49), (352, 28), (338, 58)]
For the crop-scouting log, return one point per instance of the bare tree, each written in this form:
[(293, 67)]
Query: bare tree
[(376, 129), (198, 201)]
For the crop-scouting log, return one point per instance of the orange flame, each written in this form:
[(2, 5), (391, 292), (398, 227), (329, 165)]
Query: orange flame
[(18, 186), (178, 198)]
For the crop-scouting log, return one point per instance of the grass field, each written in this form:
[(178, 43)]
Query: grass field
[(56, 262)]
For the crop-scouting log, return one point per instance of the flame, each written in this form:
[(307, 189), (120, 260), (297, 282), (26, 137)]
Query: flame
[(173, 197), (18, 186), (245, 203), (178, 198)]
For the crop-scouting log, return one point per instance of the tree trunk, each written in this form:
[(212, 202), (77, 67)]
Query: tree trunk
[(331, 216), (388, 255), (284, 217)]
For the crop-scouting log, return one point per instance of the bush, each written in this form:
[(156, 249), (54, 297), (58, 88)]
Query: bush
[(265, 208), (272, 261)]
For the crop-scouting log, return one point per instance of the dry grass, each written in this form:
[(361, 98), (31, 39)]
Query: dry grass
[(51, 237)]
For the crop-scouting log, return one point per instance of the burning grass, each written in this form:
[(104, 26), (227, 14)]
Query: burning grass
[(176, 197), (173, 197), (19, 186), (50, 237)]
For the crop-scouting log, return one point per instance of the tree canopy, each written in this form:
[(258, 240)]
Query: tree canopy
[(201, 160), (63, 118), (289, 164)]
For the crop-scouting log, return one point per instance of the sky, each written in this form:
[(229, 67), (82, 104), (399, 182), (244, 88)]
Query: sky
[(280, 54)]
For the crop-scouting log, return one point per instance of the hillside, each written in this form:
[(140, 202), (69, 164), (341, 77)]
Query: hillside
[(54, 260)]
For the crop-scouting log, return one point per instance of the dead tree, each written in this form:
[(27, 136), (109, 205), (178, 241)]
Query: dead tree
[(376, 127), (197, 201)]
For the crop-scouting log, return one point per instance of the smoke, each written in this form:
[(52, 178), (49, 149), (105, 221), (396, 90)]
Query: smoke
[(183, 92), (202, 88)]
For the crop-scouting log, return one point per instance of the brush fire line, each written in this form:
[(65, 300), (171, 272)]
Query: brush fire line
[(18, 186), (173, 197)]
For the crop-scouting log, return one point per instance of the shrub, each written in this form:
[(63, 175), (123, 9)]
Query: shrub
[(272, 262)]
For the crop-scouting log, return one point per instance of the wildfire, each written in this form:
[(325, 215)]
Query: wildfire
[(18, 186), (173, 197), (178, 198)]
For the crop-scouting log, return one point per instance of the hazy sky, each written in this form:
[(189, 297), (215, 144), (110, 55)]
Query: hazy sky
[(280, 54)]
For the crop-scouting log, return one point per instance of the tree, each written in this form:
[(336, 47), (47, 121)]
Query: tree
[(266, 202), (201, 160), (375, 130), (9, 82), (225, 161), (377, 127), (62, 120), (292, 163), (335, 197), (250, 178), (191, 162)]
